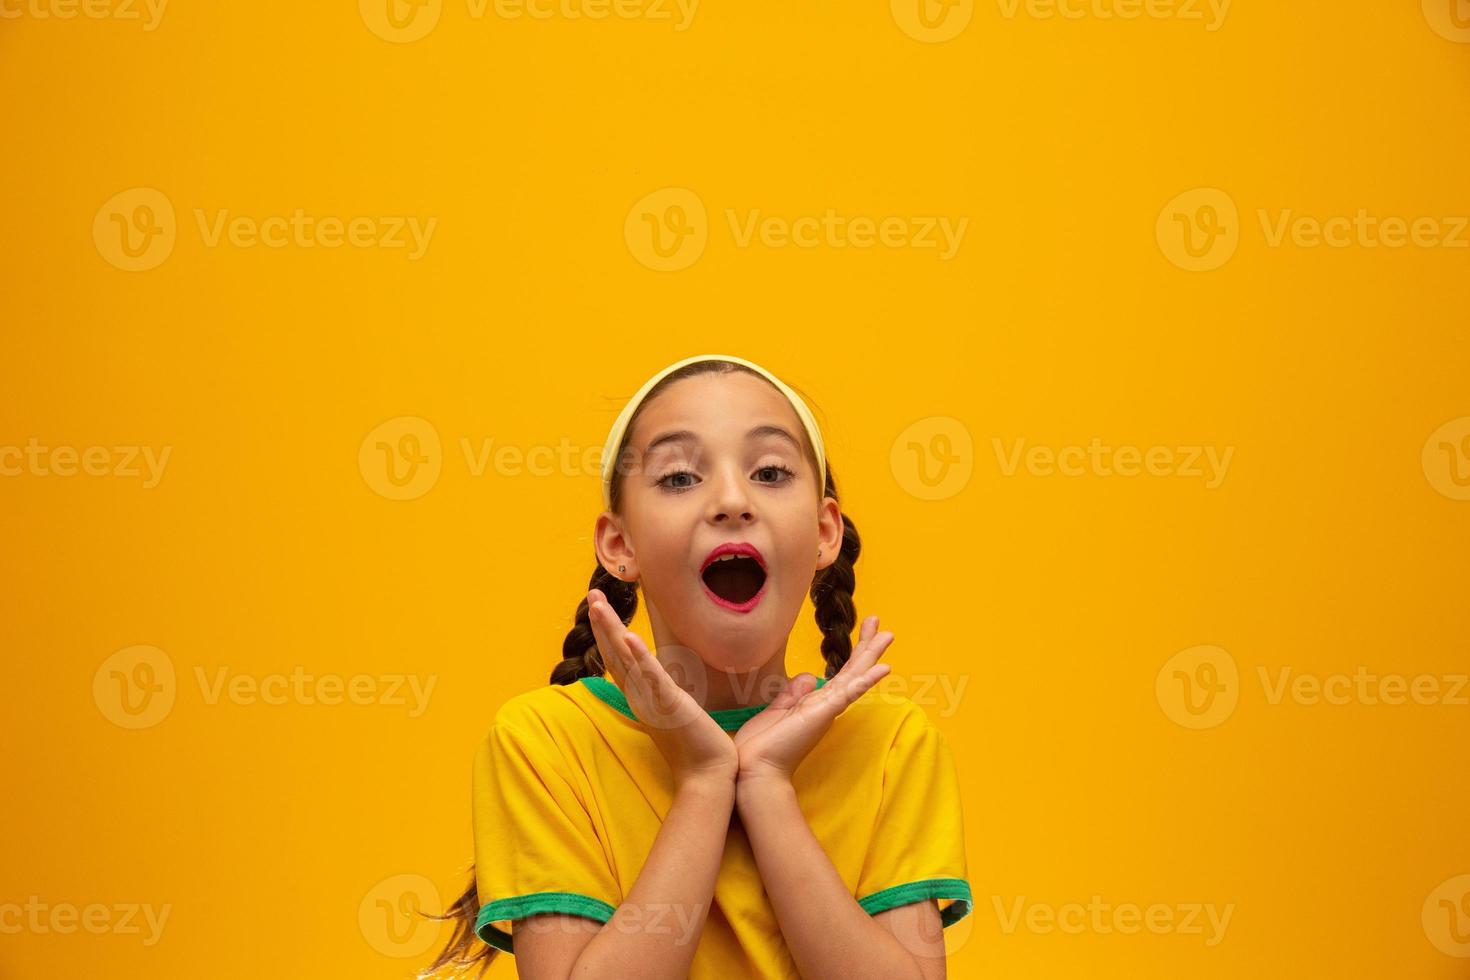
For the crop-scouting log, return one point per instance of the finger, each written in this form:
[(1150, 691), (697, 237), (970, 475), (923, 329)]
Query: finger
[(869, 627), (602, 618), (795, 689), (856, 686), (868, 653), (652, 690), (861, 662), (644, 686)]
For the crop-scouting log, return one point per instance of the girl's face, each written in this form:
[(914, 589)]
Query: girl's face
[(720, 459)]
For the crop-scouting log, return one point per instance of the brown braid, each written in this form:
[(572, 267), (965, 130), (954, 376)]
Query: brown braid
[(832, 591), (579, 656), (831, 594)]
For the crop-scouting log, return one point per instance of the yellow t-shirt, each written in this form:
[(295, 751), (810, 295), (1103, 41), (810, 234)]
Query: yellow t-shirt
[(569, 794)]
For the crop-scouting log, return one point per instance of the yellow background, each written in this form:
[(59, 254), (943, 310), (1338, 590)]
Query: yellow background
[(1332, 542)]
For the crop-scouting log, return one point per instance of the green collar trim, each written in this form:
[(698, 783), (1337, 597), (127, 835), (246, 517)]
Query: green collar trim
[(730, 719)]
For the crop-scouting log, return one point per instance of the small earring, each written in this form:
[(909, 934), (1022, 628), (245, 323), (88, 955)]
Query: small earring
[(622, 568)]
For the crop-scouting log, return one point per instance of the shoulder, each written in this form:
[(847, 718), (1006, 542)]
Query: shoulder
[(885, 718), (547, 714)]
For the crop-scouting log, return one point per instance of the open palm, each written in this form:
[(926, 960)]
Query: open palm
[(689, 739), (775, 740)]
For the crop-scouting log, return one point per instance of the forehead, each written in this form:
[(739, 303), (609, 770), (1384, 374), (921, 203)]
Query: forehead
[(716, 406)]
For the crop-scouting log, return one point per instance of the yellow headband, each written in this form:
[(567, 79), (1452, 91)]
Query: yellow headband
[(620, 427)]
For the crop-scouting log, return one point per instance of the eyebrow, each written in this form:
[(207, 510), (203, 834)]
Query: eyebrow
[(760, 431)]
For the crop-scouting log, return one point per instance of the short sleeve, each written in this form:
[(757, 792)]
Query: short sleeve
[(536, 849), (918, 847)]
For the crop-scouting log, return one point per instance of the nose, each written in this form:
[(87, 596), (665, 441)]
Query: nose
[(731, 497)]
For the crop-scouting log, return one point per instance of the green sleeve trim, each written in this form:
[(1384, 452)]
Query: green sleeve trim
[(916, 891), (521, 906)]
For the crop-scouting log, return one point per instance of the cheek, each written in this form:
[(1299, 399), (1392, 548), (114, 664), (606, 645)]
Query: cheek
[(798, 559), (663, 556)]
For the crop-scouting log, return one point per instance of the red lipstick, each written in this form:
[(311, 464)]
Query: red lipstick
[(739, 549)]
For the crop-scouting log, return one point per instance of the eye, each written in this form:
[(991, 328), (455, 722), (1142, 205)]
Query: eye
[(772, 468), (664, 480)]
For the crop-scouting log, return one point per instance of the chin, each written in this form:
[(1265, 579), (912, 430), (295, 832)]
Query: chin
[(727, 646)]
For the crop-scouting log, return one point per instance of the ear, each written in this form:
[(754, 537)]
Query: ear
[(610, 539), (829, 531)]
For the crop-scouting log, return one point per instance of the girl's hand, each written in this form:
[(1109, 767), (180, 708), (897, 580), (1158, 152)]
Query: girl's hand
[(689, 739), (773, 742)]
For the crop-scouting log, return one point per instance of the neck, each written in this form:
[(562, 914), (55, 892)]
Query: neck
[(742, 689), (719, 688)]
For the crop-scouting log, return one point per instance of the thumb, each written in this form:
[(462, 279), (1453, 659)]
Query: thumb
[(797, 688)]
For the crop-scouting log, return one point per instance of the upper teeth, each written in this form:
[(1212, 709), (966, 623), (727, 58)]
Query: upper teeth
[(728, 557)]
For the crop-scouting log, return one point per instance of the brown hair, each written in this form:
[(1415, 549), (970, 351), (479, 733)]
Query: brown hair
[(831, 595)]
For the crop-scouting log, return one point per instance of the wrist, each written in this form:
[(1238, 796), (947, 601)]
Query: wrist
[(759, 783), (706, 781)]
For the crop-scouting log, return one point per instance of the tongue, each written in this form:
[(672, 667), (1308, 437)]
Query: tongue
[(735, 581)]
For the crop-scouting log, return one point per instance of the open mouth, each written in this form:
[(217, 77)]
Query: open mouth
[(734, 577)]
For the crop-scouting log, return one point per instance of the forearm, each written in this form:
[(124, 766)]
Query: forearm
[(827, 931), (655, 931)]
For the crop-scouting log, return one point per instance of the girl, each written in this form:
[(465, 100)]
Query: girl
[(736, 822)]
